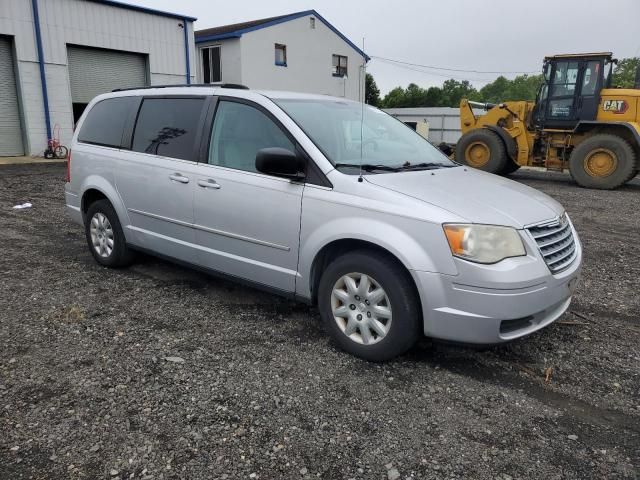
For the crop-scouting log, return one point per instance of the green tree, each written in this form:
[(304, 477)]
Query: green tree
[(453, 91), (494, 92), (625, 72), (371, 91), (394, 99), (523, 87), (433, 97), (414, 96)]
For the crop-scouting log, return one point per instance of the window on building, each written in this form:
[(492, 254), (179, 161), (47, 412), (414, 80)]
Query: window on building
[(168, 127), (312, 23), (211, 70), (104, 124), (339, 66), (281, 55), (239, 131)]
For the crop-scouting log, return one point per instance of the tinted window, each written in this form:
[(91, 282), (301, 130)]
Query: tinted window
[(105, 122), (168, 127), (564, 81), (239, 131)]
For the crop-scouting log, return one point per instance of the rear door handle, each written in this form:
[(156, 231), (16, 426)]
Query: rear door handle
[(178, 177), (209, 183)]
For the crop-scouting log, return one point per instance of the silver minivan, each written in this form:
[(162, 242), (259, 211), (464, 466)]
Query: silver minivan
[(327, 201)]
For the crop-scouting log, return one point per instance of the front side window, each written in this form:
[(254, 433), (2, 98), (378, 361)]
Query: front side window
[(339, 68), (565, 78), (168, 127), (281, 55), (338, 130), (239, 131), (104, 124), (211, 70)]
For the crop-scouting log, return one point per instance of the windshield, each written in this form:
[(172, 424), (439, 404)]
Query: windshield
[(381, 141)]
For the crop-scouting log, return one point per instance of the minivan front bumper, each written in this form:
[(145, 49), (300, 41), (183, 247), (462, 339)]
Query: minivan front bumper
[(474, 308)]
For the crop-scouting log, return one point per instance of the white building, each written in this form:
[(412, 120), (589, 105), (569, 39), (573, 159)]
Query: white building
[(56, 55), (300, 52), (444, 122)]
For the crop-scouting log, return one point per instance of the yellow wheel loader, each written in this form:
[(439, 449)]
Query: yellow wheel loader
[(578, 122)]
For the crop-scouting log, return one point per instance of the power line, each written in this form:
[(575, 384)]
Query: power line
[(444, 68), (444, 75)]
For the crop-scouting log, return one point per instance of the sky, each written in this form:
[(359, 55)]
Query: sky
[(478, 35)]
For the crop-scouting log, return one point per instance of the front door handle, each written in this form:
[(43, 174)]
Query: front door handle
[(178, 177), (210, 183)]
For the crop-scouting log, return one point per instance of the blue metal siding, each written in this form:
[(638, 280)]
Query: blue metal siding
[(43, 80)]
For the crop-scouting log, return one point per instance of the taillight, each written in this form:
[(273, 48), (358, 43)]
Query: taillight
[(69, 166)]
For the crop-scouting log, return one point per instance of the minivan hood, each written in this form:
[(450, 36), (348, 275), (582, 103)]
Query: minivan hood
[(477, 196)]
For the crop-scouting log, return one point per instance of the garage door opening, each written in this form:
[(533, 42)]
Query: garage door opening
[(10, 123), (93, 71)]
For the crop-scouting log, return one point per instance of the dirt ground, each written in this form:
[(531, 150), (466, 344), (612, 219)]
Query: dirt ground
[(160, 372)]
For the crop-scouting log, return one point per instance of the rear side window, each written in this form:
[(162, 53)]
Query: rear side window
[(105, 122), (168, 127)]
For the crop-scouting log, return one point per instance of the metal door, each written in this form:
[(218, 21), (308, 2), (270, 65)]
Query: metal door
[(93, 71), (10, 125)]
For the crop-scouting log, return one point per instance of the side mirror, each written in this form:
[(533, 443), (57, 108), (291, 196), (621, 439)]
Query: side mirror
[(280, 162)]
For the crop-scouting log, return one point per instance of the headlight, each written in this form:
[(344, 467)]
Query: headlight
[(483, 243)]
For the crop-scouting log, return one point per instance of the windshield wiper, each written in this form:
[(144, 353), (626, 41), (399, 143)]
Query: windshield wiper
[(425, 166), (368, 167)]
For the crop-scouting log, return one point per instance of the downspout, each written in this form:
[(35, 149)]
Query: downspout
[(186, 49), (43, 80)]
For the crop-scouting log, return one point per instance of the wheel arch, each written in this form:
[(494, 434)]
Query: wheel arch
[(340, 246), (626, 130), (96, 188)]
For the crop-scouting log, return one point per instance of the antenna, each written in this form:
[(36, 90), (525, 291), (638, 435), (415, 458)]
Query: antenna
[(364, 96)]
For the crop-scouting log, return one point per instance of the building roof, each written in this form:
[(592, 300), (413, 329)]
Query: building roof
[(236, 30), (138, 8)]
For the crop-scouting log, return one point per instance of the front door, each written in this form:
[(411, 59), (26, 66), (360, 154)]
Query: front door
[(247, 224), (157, 177), (561, 108)]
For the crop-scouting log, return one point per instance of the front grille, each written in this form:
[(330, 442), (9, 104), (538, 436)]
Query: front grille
[(556, 243)]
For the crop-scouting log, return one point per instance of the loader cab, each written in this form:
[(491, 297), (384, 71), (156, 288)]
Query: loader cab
[(571, 89)]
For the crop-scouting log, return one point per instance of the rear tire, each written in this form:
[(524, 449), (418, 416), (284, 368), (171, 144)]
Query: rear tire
[(376, 314), (604, 161), (482, 149), (104, 236)]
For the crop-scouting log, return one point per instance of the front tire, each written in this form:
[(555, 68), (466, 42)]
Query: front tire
[(105, 237), (369, 305), (482, 149), (603, 161)]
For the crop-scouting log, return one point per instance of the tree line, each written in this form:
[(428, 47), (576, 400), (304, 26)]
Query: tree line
[(502, 89)]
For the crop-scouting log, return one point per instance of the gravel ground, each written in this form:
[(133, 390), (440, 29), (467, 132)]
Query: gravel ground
[(160, 372)]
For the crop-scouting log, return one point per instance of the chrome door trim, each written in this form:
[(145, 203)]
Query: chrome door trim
[(211, 230)]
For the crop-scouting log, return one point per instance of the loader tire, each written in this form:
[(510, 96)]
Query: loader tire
[(510, 167), (603, 161), (482, 149)]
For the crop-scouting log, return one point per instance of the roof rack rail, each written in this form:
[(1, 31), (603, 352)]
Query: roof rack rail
[(236, 86)]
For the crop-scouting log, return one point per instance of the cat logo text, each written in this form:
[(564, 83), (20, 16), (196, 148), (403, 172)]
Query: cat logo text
[(615, 106)]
